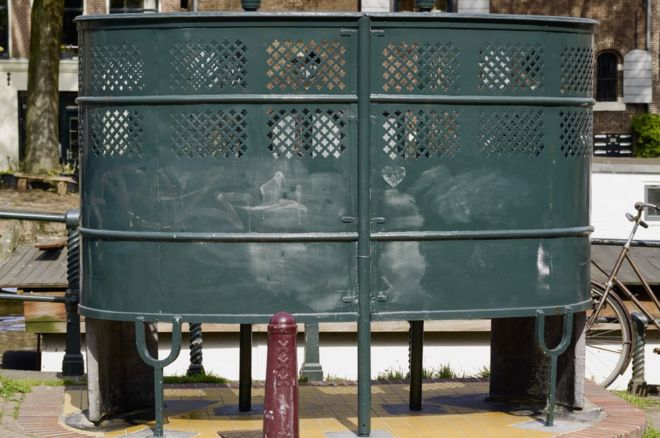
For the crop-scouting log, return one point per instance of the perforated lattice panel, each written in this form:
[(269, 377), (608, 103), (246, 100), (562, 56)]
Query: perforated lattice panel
[(511, 66), (116, 133), (306, 65), (209, 134), (431, 66), (208, 65), (315, 133), (511, 133), (577, 71), (117, 68), (576, 133), (420, 134)]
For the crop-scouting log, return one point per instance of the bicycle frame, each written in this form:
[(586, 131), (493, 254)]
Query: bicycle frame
[(613, 281)]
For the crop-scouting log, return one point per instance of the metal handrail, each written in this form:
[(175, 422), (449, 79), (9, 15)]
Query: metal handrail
[(33, 216), (11, 296), (620, 242)]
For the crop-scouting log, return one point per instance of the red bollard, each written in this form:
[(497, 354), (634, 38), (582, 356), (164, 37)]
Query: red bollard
[(281, 398)]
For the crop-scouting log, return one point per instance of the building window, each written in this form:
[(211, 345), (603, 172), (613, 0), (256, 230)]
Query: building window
[(4, 29), (606, 71), (127, 6), (652, 197), (72, 8)]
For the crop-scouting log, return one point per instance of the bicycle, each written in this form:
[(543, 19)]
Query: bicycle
[(609, 324)]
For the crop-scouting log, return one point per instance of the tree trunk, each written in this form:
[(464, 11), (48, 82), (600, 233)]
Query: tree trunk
[(42, 121)]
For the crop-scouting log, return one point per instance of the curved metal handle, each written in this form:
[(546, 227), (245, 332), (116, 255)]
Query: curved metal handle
[(565, 337), (141, 343)]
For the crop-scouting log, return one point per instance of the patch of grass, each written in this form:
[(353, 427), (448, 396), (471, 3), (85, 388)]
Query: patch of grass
[(445, 372), (635, 400), (198, 378), (10, 387), (391, 374), (17, 409), (333, 378), (651, 432), (483, 373)]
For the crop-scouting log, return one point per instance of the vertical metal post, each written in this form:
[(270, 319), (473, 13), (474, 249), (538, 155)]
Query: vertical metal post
[(245, 369), (553, 353), (364, 228), (416, 354), (196, 356), (158, 365), (637, 384), (73, 364), (311, 367)]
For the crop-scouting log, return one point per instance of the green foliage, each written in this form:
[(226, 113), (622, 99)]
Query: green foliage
[(198, 378), (445, 372), (391, 374), (483, 373), (333, 378), (651, 432), (10, 387), (637, 401), (646, 128)]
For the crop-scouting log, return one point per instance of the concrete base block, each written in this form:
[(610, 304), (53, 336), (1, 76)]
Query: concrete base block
[(118, 380), (520, 370)]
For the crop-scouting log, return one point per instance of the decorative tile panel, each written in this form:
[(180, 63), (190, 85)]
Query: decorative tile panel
[(576, 133), (511, 133), (209, 65), (116, 133), (577, 70), (511, 67), (209, 134), (306, 65), (420, 134), (430, 66), (116, 68), (298, 133)]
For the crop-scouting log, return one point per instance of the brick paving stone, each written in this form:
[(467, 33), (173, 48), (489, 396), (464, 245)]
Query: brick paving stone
[(40, 413)]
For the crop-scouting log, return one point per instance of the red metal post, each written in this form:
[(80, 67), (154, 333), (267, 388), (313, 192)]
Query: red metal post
[(281, 398)]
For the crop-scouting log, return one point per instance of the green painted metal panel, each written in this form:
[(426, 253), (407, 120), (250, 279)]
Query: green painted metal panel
[(222, 178)]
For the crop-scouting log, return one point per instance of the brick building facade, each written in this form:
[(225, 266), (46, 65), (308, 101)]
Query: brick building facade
[(621, 29)]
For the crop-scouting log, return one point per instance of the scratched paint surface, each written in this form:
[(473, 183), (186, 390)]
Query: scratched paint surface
[(492, 160)]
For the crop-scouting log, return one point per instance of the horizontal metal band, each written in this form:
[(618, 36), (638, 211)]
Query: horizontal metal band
[(340, 98), (253, 318), (479, 313), (219, 98), (162, 236), (483, 100), (621, 242), (482, 235)]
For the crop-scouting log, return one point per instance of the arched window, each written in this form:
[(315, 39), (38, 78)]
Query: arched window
[(606, 71)]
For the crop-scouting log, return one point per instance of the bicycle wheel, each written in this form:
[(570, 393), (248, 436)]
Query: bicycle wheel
[(608, 340)]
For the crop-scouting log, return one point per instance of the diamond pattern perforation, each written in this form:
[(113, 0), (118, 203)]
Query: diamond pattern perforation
[(511, 67), (116, 133), (576, 133), (116, 68), (304, 65), (298, 133), (208, 65), (511, 133), (209, 134), (420, 134), (577, 67), (430, 66)]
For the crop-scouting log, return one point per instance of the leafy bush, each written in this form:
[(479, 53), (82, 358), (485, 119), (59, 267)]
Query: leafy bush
[(646, 128)]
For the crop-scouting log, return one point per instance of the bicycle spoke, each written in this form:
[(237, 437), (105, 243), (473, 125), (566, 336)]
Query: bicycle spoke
[(605, 349)]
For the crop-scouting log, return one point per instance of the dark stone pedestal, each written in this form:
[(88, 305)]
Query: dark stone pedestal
[(520, 370), (118, 380)]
